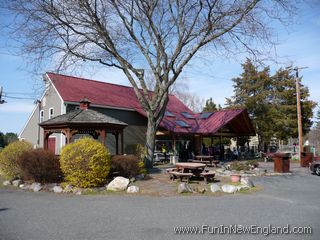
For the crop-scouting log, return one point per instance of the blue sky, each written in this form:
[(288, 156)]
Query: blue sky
[(209, 77)]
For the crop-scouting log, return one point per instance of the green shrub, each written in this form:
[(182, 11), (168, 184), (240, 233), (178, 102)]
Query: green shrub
[(239, 166), (127, 165), (244, 166), (85, 163), (141, 153), (253, 163), (40, 166), (9, 157)]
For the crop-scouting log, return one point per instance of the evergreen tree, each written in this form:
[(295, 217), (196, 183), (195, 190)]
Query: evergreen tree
[(285, 103), (2, 140), (10, 137), (271, 102), (210, 106), (252, 90)]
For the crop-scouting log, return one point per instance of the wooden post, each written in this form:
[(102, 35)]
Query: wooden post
[(117, 142), (45, 140), (103, 137), (122, 142)]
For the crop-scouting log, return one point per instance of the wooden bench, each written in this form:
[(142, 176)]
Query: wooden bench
[(215, 163), (207, 176), (170, 172), (181, 175)]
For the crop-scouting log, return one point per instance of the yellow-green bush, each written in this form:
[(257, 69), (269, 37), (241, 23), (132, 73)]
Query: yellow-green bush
[(141, 153), (9, 157), (85, 163)]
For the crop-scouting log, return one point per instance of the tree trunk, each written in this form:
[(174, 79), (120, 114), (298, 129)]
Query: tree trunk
[(150, 142)]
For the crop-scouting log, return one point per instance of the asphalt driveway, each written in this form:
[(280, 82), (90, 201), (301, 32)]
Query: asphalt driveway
[(293, 200)]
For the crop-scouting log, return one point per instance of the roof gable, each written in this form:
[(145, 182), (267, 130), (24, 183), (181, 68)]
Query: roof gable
[(104, 94)]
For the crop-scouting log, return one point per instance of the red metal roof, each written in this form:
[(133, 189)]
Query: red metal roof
[(72, 89)]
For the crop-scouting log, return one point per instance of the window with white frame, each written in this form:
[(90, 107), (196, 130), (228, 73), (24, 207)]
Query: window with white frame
[(41, 116), (51, 113)]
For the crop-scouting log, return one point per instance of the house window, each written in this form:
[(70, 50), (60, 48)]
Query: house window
[(41, 116), (51, 113)]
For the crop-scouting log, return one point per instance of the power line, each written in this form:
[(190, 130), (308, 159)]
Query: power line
[(18, 93), (21, 98)]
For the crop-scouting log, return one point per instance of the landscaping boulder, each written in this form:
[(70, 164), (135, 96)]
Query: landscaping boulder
[(68, 189), (57, 189), (184, 188), (242, 187), (36, 187), (17, 182), (118, 184), (227, 188), (199, 189), (78, 192), (139, 177), (24, 186), (247, 181), (133, 189), (6, 183), (215, 188)]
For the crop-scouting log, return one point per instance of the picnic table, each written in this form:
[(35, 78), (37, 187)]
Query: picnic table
[(206, 159), (194, 168)]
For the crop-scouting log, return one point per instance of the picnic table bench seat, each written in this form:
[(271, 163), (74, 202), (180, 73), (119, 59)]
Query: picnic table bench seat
[(180, 175), (201, 161), (207, 175)]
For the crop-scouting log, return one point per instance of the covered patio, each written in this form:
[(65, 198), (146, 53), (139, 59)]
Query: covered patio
[(193, 129), (84, 121)]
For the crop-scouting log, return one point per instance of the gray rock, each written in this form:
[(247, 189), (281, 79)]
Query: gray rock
[(227, 188), (133, 189), (98, 189), (243, 187), (199, 189), (24, 186), (184, 188), (132, 179), (78, 192), (118, 184), (6, 183), (17, 182), (57, 189), (36, 187), (139, 177), (247, 181), (50, 186), (215, 188), (68, 189)]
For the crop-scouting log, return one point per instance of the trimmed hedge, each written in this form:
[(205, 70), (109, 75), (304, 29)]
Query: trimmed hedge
[(85, 163)]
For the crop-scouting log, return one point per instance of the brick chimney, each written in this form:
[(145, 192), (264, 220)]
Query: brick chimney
[(84, 103)]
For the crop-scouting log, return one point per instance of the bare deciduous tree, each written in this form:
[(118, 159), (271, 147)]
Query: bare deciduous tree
[(136, 35)]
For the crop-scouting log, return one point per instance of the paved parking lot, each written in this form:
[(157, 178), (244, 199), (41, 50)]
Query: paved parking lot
[(293, 200)]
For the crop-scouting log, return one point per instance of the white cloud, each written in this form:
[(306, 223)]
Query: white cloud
[(16, 107)]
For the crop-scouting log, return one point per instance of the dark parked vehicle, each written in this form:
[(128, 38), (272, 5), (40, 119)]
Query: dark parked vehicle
[(315, 167)]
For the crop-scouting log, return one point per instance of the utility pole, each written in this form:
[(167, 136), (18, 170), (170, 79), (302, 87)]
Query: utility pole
[(296, 69)]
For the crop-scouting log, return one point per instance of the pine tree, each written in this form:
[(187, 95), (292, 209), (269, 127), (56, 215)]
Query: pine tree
[(271, 102), (210, 106), (285, 103), (252, 91)]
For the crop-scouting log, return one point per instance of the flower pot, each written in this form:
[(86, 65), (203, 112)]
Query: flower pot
[(235, 178)]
